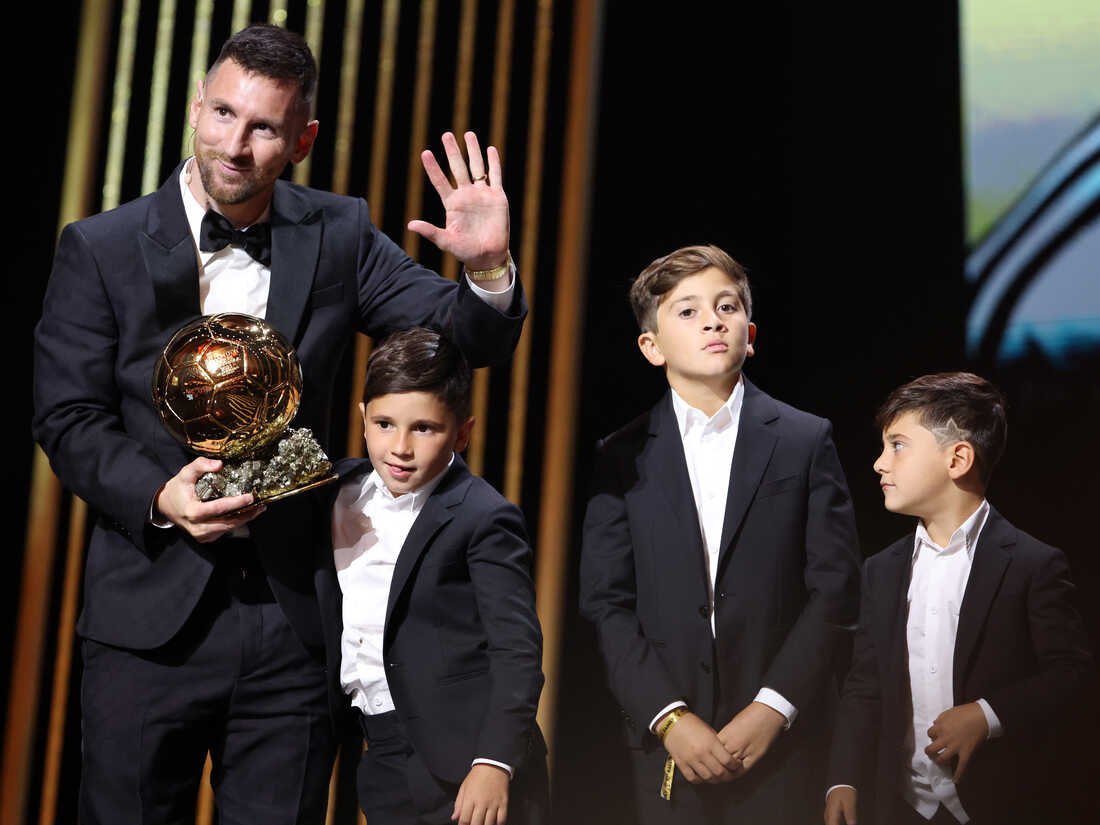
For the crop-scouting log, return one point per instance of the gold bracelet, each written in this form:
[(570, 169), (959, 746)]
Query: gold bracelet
[(491, 274), (670, 720)]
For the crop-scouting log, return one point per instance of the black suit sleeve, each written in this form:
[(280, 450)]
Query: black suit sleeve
[(1063, 662), (396, 293), (78, 403), (831, 577), (640, 681), (499, 560), (855, 737)]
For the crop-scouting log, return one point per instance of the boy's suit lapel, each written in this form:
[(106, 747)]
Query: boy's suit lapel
[(991, 559), (894, 614), (756, 439), (169, 255), (667, 466), (295, 246), (438, 510)]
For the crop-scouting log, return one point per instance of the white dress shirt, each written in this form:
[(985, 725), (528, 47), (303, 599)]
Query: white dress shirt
[(935, 595), (708, 450), (369, 528)]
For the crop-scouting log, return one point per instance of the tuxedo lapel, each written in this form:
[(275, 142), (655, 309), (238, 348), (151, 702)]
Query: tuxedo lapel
[(438, 511), (296, 230), (889, 624), (666, 465), (756, 439), (169, 255), (991, 559)]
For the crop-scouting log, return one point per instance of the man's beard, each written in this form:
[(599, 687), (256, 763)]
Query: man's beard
[(248, 188)]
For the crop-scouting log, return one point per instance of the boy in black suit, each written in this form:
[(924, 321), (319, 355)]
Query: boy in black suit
[(436, 640), (719, 564), (968, 645)]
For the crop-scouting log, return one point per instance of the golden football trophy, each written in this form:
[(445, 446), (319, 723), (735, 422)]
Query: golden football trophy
[(227, 386)]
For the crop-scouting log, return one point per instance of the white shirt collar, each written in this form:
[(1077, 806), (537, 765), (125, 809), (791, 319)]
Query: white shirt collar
[(373, 486), (689, 417), (965, 536)]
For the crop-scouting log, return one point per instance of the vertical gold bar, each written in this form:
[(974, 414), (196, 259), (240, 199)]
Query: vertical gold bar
[(315, 21), (467, 29), (26, 669), (204, 806), (532, 201), (277, 13), (63, 660), (422, 98), (45, 492), (200, 49), (383, 106), (242, 12), (333, 785), (120, 104), (555, 509), (158, 97), (349, 89)]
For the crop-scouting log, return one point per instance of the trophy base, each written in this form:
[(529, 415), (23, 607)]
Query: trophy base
[(262, 500)]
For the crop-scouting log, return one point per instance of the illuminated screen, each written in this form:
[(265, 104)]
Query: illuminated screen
[(1031, 98)]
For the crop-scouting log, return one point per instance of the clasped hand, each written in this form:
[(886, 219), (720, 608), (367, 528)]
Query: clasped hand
[(477, 219), (704, 755)]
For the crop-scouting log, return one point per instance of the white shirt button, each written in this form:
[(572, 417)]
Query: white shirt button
[(378, 701)]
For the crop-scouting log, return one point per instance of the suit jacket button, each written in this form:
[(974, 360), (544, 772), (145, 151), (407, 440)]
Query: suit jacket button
[(704, 667), (704, 611)]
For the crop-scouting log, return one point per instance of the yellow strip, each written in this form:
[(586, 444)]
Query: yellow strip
[(200, 50), (528, 257), (555, 521), (158, 97), (418, 140), (315, 20), (242, 11), (666, 781), (277, 13), (120, 104)]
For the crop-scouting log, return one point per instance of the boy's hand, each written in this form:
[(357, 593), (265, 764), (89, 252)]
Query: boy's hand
[(749, 734), (698, 753), (483, 797), (957, 732), (840, 806)]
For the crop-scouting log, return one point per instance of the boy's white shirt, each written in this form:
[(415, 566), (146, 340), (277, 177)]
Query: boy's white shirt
[(708, 450), (937, 585), (369, 528)]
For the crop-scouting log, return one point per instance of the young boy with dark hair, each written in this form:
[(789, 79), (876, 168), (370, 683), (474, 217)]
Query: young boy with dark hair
[(430, 609), (968, 645), (719, 565)]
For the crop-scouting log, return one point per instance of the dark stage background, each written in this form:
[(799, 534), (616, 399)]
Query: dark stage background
[(820, 144)]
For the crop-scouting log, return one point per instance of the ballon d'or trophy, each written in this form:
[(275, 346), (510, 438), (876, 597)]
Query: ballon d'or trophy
[(227, 386)]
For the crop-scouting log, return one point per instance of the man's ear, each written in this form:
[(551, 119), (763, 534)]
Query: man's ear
[(462, 438), (651, 349), (961, 460), (305, 142), (196, 105)]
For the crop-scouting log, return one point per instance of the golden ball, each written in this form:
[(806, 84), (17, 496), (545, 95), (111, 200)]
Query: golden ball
[(227, 385)]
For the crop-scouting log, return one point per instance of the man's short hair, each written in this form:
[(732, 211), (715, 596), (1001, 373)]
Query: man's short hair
[(420, 360), (273, 52), (954, 406), (662, 276)]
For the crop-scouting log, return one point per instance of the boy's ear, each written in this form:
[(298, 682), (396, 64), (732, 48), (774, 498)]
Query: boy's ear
[(647, 343), (462, 437), (363, 410), (961, 460), (750, 350)]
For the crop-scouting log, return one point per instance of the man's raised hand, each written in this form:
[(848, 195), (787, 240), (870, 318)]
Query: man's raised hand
[(477, 221), (206, 521)]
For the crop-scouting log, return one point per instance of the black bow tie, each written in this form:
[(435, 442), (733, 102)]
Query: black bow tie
[(216, 232)]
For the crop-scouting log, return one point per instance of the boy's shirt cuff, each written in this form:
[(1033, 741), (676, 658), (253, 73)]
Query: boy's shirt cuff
[(834, 787), (495, 764), (776, 701), (991, 720), (679, 703)]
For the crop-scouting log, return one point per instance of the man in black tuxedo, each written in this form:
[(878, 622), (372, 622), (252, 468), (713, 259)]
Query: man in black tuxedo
[(201, 629), (969, 651), (719, 565)]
